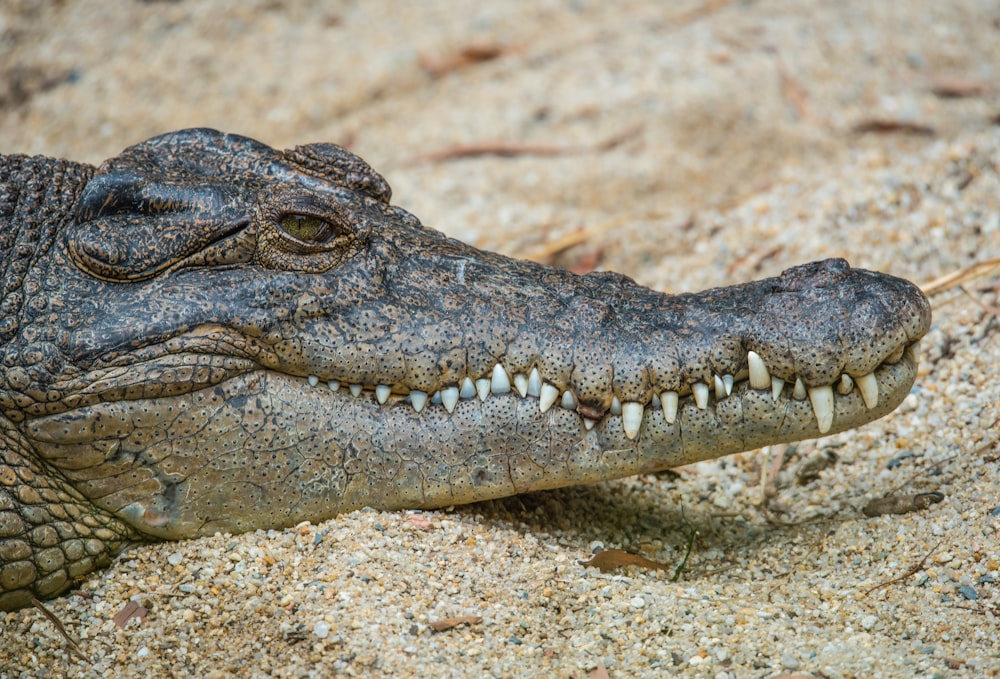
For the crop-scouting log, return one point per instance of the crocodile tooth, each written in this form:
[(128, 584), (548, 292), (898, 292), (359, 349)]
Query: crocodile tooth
[(668, 400), (822, 403), (632, 418), (313, 380), (799, 392), (760, 376), (418, 399), (468, 389), (700, 390), (333, 385), (534, 383), (589, 423), (868, 386), (547, 397), (727, 382), (499, 382), (895, 355), (655, 402), (777, 384), (521, 384), (568, 400), (616, 406), (382, 392), (436, 397), (846, 385), (449, 398), (355, 389), (913, 351), (483, 388), (720, 388), (742, 374)]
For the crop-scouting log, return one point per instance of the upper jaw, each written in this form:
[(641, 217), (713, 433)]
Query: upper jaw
[(814, 334)]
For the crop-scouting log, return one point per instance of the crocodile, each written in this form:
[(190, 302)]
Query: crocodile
[(205, 334)]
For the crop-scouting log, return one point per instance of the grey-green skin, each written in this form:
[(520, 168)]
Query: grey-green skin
[(172, 319)]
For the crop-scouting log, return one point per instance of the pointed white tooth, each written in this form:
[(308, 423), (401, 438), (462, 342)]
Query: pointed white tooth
[(313, 380), (534, 383), (468, 389), (547, 397), (777, 384), (846, 385), (449, 398), (668, 400), (483, 388), (700, 390), (720, 388), (568, 400), (521, 384), (632, 418), (418, 399), (656, 401), (760, 376), (868, 386), (499, 382), (382, 392), (333, 385), (436, 397), (799, 392), (822, 403), (589, 423), (727, 381), (355, 389), (616, 406), (742, 374)]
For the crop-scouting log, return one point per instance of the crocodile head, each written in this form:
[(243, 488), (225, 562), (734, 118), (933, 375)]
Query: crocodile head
[(223, 336)]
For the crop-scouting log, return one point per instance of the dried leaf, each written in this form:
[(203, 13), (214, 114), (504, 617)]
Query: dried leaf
[(507, 150), (884, 126), (794, 93), (901, 504), (418, 521), (948, 87), (610, 559), (445, 624), (960, 277), (75, 647), (131, 609), (468, 55)]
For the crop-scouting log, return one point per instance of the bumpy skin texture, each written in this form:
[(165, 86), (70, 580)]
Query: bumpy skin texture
[(206, 334)]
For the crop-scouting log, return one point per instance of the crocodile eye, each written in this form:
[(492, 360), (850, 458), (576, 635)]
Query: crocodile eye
[(306, 228)]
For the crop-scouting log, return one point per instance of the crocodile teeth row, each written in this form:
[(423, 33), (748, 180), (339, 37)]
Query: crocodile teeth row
[(632, 412)]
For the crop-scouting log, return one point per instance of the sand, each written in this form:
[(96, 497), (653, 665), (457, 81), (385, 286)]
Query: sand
[(686, 144)]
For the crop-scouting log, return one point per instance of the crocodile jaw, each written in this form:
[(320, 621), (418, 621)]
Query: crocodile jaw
[(265, 448)]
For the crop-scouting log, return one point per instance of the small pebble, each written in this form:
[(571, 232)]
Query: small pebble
[(321, 630), (968, 592), (789, 662)]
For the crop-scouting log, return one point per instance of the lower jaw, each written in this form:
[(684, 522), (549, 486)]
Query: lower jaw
[(265, 450)]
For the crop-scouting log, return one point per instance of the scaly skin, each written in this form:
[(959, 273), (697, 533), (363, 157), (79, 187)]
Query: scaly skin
[(206, 334)]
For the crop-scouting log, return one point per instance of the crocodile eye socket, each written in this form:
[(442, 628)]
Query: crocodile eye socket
[(306, 228)]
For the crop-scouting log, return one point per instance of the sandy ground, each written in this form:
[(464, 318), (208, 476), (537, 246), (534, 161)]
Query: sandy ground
[(687, 144)]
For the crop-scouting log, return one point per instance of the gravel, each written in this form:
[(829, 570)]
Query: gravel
[(737, 156)]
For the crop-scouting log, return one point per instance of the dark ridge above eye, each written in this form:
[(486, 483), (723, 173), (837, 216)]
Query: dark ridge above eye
[(337, 164)]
